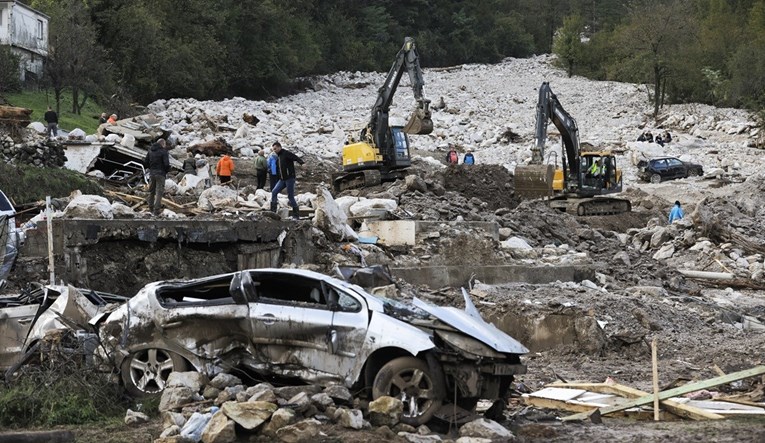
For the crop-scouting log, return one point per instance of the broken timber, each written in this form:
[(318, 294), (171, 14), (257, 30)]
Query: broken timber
[(664, 395), (679, 409)]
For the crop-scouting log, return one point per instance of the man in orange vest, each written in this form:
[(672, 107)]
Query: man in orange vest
[(224, 169)]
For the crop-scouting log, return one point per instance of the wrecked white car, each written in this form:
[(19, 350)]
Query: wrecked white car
[(290, 323)]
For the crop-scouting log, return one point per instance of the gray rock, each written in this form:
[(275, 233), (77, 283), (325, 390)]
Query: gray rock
[(220, 429), (666, 251), (175, 398), (279, 419), (267, 395), (340, 394), (249, 415), (135, 418), (170, 418), (473, 440), (484, 428), (385, 411), (300, 402), (302, 431), (210, 392), (417, 438), (623, 258), (223, 381), (322, 401), (288, 392), (505, 233), (415, 183), (170, 431), (403, 427), (260, 387), (192, 379), (349, 418)]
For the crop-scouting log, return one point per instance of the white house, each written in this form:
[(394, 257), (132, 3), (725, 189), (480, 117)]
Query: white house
[(25, 30)]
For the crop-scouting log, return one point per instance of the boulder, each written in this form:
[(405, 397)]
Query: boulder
[(417, 438), (280, 418), (415, 183), (264, 395), (120, 210), (349, 418), (302, 431), (385, 411), (135, 418), (300, 402), (249, 415), (339, 394), (322, 401), (220, 429), (665, 252), (516, 243), (191, 379), (484, 428), (174, 398), (223, 381), (89, 207), (217, 197)]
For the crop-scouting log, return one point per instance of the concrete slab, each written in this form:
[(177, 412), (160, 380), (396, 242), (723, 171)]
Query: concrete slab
[(394, 232)]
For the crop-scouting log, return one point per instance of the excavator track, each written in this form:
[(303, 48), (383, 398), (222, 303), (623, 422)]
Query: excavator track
[(592, 206), (355, 180)]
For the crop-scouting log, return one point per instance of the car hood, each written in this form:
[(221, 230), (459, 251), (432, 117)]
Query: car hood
[(470, 322)]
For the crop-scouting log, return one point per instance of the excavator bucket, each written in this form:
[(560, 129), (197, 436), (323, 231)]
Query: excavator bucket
[(419, 123), (533, 181)]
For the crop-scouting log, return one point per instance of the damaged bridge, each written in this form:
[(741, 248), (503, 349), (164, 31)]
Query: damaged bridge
[(121, 256)]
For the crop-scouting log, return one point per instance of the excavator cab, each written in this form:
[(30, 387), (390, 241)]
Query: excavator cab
[(382, 154)]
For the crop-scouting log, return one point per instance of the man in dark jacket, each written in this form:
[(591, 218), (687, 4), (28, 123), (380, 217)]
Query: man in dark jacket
[(157, 161), (52, 119), (285, 167)]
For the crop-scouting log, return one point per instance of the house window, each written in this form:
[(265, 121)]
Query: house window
[(39, 29)]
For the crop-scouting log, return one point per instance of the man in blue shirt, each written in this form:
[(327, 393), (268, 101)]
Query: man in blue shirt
[(676, 213)]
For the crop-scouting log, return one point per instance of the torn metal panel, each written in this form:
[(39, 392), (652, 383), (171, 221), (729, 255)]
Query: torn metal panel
[(473, 326)]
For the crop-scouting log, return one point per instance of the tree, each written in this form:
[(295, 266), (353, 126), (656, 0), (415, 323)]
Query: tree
[(652, 40), (568, 42), (9, 70), (75, 60)]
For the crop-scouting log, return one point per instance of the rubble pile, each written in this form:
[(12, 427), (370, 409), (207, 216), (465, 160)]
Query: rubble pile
[(224, 410), (41, 153)]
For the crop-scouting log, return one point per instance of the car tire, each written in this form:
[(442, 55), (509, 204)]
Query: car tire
[(410, 380), (655, 178), (693, 173), (145, 372)]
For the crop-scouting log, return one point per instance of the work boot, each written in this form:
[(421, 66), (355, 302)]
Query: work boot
[(273, 206), (295, 213)]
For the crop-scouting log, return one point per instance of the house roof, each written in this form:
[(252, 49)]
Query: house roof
[(25, 6)]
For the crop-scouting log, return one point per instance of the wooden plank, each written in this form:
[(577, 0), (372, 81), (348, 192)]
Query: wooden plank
[(555, 393), (547, 403), (655, 370), (672, 406), (664, 395)]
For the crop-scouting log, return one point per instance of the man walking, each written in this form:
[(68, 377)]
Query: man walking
[(52, 119), (261, 168), (158, 162), (286, 171)]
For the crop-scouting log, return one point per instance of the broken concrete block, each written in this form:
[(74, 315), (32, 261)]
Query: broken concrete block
[(373, 207)]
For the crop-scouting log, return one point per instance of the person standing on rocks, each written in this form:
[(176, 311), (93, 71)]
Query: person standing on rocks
[(468, 159), (273, 172), (190, 165), (112, 120), (676, 213), (286, 171), (224, 169), (203, 169), (52, 119), (452, 157), (103, 119), (261, 168), (158, 162)]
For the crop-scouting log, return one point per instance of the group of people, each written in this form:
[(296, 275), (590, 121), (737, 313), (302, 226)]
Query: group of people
[(279, 166), (111, 119), (51, 118), (453, 158), (660, 139)]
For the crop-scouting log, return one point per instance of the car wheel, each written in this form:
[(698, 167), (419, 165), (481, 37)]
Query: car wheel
[(656, 178), (693, 173), (410, 380), (145, 372)]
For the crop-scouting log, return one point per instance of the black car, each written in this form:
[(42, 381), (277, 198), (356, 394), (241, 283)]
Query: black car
[(667, 168)]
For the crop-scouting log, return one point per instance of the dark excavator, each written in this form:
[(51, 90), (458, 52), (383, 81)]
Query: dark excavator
[(583, 179), (382, 154)]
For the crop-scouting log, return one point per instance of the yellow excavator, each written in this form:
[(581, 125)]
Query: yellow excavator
[(579, 185), (382, 154)]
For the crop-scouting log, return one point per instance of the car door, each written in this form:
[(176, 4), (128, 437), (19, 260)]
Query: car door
[(660, 167), (203, 317), (676, 168), (297, 333)]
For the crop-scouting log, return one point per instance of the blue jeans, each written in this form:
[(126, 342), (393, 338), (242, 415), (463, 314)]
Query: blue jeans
[(281, 184)]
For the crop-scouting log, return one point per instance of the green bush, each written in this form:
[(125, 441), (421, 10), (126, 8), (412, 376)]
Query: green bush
[(9, 70), (26, 184)]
